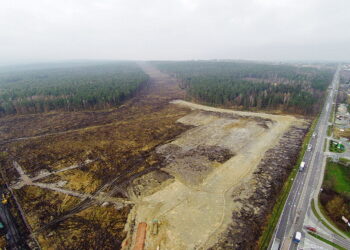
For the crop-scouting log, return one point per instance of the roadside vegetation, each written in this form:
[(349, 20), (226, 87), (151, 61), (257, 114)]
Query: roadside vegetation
[(336, 147), (329, 130), (273, 218), (335, 195), (318, 216), (331, 117), (252, 86), (338, 177), (345, 133), (69, 89), (344, 161)]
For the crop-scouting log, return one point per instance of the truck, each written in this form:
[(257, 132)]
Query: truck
[(140, 236), (302, 166), (297, 237), (276, 244)]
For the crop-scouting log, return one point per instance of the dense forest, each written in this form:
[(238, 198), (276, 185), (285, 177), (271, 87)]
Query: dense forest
[(252, 86), (33, 90)]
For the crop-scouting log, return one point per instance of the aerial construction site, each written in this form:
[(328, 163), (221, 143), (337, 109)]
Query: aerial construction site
[(157, 172), (174, 125)]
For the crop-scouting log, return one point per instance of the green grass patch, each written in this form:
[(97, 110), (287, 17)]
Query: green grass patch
[(336, 147), (337, 176), (329, 130), (326, 241), (344, 161), (325, 145), (331, 117), (332, 114), (273, 218)]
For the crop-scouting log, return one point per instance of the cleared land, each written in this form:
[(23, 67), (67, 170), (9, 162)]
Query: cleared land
[(208, 175), (69, 157), (197, 207)]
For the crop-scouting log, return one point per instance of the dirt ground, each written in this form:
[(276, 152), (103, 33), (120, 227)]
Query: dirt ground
[(186, 165), (119, 144), (196, 207)]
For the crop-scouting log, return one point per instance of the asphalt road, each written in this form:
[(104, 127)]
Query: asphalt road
[(306, 182), (329, 235)]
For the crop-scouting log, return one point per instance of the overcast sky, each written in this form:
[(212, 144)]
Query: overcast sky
[(41, 30)]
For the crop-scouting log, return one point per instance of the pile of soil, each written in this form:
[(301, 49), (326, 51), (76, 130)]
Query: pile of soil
[(192, 165), (267, 181)]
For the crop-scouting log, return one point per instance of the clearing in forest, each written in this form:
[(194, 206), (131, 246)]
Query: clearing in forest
[(209, 163), (155, 158)]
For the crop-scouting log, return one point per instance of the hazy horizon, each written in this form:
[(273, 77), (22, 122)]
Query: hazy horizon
[(264, 30)]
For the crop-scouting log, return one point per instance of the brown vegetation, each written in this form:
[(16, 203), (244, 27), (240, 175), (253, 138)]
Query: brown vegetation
[(207, 198), (121, 144), (336, 206), (202, 168), (335, 195), (249, 221)]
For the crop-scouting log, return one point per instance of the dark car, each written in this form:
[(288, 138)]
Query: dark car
[(3, 229)]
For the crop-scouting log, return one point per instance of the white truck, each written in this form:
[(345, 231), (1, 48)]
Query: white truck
[(302, 166), (297, 237), (276, 244)]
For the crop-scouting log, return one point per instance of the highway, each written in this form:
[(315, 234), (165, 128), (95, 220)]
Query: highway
[(307, 182)]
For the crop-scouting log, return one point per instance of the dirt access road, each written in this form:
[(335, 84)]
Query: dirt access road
[(197, 205)]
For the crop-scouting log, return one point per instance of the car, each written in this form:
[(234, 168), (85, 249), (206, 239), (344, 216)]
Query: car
[(311, 229), (309, 147), (314, 134), (3, 229)]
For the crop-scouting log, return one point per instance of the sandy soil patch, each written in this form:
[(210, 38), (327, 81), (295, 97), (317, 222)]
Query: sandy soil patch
[(197, 204)]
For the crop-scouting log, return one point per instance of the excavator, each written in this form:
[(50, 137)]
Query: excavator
[(4, 199)]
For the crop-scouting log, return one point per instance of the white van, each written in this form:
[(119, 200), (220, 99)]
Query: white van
[(297, 237)]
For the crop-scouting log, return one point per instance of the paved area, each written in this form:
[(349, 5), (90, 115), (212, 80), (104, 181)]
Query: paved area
[(307, 184), (312, 243)]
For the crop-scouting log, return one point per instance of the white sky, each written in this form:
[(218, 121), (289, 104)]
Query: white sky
[(39, 30)]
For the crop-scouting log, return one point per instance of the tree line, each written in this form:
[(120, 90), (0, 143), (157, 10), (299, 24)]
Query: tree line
[(252, 85), (69, 88)]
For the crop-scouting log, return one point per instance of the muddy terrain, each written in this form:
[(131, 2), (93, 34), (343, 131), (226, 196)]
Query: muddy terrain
[(202, 176)]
